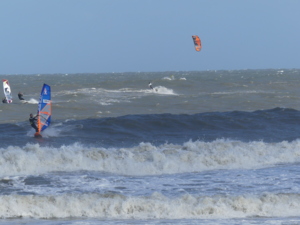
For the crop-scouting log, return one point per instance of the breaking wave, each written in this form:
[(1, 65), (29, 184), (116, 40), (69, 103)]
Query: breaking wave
[(148, 159)]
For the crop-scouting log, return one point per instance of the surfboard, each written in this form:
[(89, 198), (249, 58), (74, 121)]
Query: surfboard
[(44, 110), (7, 91), (38, 135)]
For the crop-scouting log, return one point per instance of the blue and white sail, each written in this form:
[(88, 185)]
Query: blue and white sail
[(44, 108)]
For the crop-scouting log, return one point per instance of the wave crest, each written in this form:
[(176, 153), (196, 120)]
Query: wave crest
[(148, 159)]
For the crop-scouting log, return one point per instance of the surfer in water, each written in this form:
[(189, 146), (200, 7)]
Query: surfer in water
[(20, 95), (32, 121)]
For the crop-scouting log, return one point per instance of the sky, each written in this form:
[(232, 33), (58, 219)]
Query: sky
[(104, 36)]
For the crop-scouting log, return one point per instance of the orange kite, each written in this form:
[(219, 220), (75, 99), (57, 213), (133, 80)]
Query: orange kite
[(197, 43)]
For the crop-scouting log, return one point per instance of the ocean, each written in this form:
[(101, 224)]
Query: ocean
[(201, 147)]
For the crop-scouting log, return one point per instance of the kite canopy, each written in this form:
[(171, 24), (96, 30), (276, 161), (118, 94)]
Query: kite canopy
[(197, 43)]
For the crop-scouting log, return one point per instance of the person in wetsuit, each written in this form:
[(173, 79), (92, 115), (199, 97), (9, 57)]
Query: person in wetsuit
[(20, 95), (32, 121), (150, 85)]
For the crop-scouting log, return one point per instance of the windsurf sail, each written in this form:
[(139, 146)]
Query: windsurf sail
[(197, 43), (44, 109), (7, 91)]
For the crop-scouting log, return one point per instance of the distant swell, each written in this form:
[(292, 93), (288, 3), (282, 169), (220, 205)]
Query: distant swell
[(274, 125)]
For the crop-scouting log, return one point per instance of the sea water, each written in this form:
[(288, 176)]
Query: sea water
[(207, 147)]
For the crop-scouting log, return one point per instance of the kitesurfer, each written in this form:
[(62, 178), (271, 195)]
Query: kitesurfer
[(32, 121), (150, 85), (20, 95), (4, 100)]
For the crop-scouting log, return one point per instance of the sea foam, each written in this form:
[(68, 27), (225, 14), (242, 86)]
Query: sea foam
[(156, 206), (148, 159)]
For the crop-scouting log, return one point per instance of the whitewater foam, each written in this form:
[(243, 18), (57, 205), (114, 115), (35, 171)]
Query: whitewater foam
[(32, 101), (147, 159), (156, 206)]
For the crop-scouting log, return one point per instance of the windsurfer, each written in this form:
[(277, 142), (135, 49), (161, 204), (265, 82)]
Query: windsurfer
[(32, 121), (20, 95)]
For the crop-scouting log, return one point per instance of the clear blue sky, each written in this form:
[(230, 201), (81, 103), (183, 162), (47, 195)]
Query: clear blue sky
[(78, 36)]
